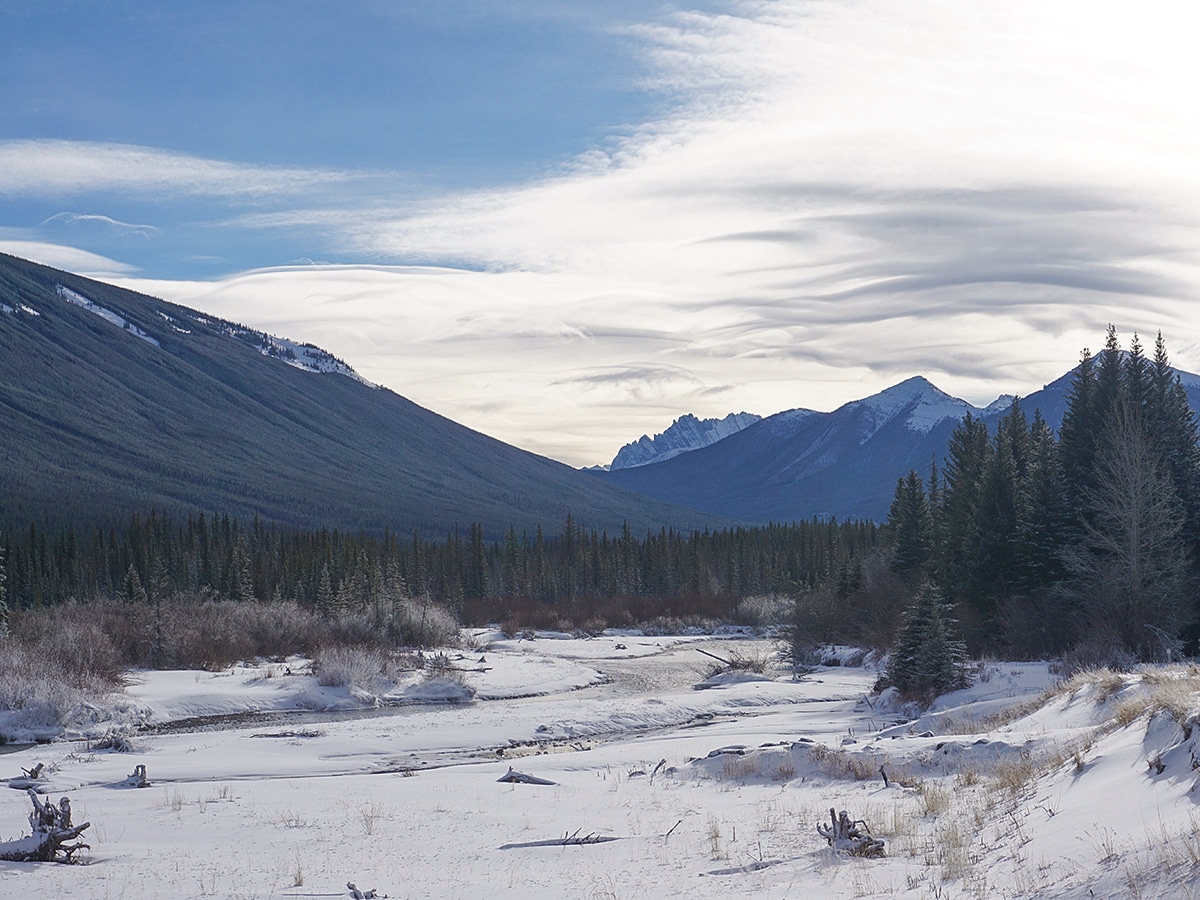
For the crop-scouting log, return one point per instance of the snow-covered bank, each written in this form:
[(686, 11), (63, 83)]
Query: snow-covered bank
[(1010, 788)]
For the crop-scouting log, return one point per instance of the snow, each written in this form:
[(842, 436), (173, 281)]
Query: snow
[(685, 434), (108, 315), (786, 422), (661, 790), (307, 357), (926, 406)]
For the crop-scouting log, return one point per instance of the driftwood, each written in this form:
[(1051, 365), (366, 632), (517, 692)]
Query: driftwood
[(569, 839), (52, 834), (845, 834), (31, 778), (137, 778), (514, 777), (358, 894)]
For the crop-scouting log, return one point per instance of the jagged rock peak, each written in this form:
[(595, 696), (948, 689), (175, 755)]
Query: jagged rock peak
[(685, 433)]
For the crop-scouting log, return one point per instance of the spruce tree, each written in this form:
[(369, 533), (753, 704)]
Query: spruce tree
[(962, 484), (1077, 436), (909, 524), (929, 658), (3, 600)]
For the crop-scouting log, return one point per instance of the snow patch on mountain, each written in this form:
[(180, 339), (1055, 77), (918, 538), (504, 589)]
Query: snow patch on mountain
[(784, 423), (923, 405), (77, 299), (685, 433), (1000, 404), (308, 357)]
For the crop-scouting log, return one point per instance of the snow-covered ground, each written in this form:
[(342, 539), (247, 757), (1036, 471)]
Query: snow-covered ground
[(663, 790)]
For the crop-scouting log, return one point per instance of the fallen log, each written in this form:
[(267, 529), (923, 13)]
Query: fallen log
[(52, 835)]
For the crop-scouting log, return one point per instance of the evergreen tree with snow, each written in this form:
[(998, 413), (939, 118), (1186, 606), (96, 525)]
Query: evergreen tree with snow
[(929, 658)]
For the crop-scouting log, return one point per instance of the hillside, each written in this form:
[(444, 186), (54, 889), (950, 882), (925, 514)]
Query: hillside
[(114, 402)]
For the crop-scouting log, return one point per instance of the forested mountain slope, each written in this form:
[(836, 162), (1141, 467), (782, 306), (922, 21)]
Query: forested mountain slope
[(113, 402)]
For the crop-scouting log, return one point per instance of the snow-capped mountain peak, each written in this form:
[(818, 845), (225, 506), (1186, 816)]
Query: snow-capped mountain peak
[(922, 403), (685, 433), (1000, 404)]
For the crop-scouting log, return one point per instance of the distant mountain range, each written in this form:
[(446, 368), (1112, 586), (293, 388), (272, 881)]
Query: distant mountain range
[(684, 434), (112, 402), (800, 463)]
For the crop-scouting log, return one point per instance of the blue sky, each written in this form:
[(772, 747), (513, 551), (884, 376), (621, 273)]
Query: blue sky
[(414, 98), (566, 224)]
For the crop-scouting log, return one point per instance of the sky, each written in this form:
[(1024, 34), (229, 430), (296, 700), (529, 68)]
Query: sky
[(567, 223)]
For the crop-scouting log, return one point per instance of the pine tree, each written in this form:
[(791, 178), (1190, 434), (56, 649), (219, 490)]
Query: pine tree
[(929, 658), (1078, 434), (910, 526), (1044, 528), (962, 484), (3, 599), (326, 599), (132, 591)]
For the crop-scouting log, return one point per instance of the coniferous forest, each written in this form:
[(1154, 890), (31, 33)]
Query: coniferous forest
[(1019, 542), (1088, 540)]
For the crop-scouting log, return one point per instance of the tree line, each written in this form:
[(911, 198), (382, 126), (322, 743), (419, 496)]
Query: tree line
[(1089, 539), (569, 575)]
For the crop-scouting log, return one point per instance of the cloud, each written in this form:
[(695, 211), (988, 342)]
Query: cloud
[(842, 194), (68, 258), (56, 168), (105, 224)]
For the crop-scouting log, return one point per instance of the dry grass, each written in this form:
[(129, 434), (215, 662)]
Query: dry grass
[(935, 798), (837, 763), (736, 767), (1014, 776)]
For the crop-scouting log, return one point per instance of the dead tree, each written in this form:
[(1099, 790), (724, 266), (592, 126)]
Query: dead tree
[(52, 834), (846, 834)]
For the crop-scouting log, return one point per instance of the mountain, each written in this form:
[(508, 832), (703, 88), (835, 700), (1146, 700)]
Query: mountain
[(113, 402), (800, 463), (684, 434), (845, 463)]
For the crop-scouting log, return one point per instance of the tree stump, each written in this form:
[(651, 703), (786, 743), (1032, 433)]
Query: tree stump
[(853, 836), (52, 834)]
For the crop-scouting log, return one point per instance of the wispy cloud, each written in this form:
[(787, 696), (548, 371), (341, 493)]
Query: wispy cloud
[(104, 223), (58, 168), (69, 258), (843, 194)]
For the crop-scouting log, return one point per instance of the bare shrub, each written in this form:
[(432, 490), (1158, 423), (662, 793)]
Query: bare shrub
[(72, 640), (763, 610), (353, 667), (669, 625), (43, 696), (1095, 654), (739, 662)]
